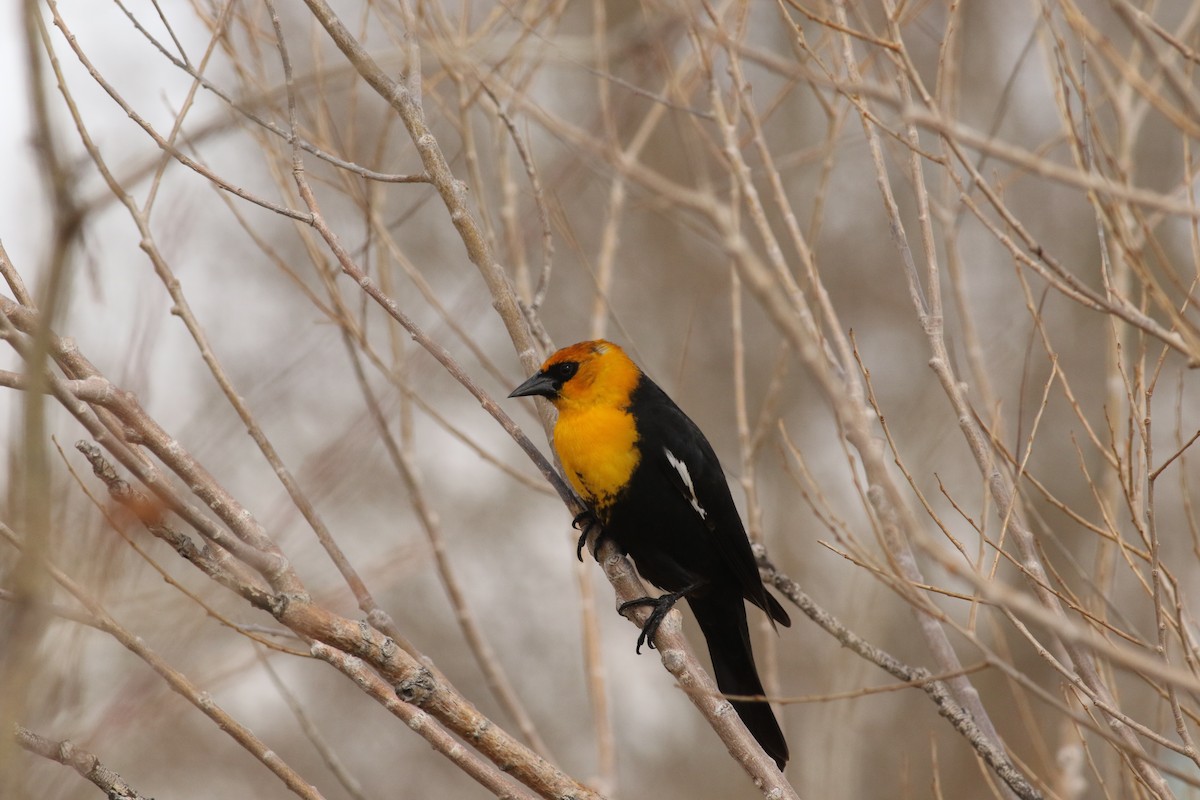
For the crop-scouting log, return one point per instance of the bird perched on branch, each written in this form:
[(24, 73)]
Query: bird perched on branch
[(655, 486)]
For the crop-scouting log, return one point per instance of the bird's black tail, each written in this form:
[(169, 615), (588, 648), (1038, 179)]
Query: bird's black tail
[(722, 618)]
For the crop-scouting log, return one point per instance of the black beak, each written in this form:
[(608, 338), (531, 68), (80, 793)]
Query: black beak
[(540, 384)]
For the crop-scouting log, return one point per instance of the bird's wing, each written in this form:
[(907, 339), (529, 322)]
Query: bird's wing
[(681, 451)]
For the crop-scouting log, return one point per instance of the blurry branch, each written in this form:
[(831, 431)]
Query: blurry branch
[(1171, 459), (337, 312), (182, 309), (144, 510), (890, 509), (1024, 247), (539, 201), (283, 596), (899, 525), (86, 390), (845, 395), (23, 619), (164, 159), (299, 498), (16, 283), (244, 106), (150, 513), (312, 733), (1038, 259), (990, 751), (176, 680), (929, 310), (148, 129), (372, 289), (369, 681), (1078, 695), (56, 610), (932, 120), (83, 762), (900, 545), (1134, 660), (405, 98), (117, 421), (485, 655)]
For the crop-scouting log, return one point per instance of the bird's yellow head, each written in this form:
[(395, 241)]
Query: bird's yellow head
[(583, 375)]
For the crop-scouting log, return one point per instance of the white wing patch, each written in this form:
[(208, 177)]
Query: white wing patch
[(688, 486)]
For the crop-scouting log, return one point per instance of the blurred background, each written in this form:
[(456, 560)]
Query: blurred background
[(785, 212)]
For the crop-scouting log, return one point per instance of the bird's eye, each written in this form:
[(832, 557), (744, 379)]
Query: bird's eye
[(566, 370)]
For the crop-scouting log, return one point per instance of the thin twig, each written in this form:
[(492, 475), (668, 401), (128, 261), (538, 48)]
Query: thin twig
[(958, 717), (80, 760)]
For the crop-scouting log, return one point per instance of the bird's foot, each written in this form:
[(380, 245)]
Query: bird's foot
[(662, 606), (583, 522)]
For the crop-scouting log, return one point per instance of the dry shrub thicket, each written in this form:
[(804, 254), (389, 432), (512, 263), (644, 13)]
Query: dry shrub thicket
[(924, 271)]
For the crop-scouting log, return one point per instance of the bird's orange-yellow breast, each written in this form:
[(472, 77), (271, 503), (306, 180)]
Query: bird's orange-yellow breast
[(596, 436), (598, 450)]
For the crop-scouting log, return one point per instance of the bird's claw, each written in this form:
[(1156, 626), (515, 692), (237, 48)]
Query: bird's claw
[(662, 606), (650, 628), (583, 523)]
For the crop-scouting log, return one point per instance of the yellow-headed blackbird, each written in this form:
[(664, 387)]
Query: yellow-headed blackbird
[(653, 482)]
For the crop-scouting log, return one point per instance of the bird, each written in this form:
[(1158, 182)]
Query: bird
[(650, 478)]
